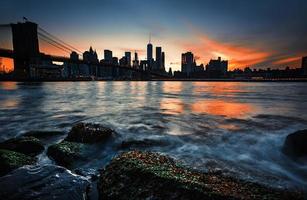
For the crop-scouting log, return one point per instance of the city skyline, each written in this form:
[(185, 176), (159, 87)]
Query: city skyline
[(262, 33)]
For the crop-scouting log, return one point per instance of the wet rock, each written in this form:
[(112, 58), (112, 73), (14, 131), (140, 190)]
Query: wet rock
[(296, 144), (43, 182), (10, 160), (144, 143), (27, 145), (145, 175), (89, 133), (43, 134), (65, 153)]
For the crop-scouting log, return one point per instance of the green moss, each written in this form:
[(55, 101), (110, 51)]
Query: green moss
[(10, 160), (27, 145), (65, 153), (141, 175)]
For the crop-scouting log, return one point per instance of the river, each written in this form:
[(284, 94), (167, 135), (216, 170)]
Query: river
[(237, 128)]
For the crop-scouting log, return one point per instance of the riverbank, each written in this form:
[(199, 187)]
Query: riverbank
[(130, 175)]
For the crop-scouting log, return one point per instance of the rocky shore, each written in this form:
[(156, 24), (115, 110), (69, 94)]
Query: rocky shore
[(133, 174)]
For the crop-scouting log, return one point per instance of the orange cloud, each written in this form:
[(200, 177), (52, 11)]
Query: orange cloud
[(238, 56), (292, 61)]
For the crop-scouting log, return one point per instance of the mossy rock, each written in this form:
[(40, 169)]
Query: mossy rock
[(65, 153), (89, 133), (10, 160), (27, 145), (145, 175)]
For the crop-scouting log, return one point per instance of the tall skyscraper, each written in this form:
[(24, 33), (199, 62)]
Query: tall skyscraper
[(128, 58), (149, 54), (187, 63), (158, 58), (136, 60), (163, 62), (108, 56), (304, 65)]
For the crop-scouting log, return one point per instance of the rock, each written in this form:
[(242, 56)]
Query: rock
[(10, 160), (296, 144), (89, 133), (27, 145), (145, 175), (132, 144), (43, 134), (65, 153), (43, 182)]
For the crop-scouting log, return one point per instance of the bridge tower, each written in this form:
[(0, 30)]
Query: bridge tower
[(25, 46)]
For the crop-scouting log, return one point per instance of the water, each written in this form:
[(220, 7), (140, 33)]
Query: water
[(236, 128)]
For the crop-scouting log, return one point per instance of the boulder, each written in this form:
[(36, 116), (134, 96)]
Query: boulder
[(43, 182), (145, 175), (65, 153), (27, 145), (10, 160), (296, 144), (89, 133)]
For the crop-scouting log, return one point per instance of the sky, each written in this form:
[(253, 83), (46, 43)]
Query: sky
[(257, 34)]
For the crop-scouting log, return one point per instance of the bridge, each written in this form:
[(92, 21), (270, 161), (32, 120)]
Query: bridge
[(26, 53)]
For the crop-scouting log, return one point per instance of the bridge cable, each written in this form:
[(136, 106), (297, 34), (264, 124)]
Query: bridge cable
[(59, 40)]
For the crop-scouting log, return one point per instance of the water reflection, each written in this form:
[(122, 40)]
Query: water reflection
[(171, 106), (8, 85), (223, 108)]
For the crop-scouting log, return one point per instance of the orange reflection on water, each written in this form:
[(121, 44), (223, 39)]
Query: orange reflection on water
[(172, 87), (8, 85), (172, 106), (9, 103), (220, 107)]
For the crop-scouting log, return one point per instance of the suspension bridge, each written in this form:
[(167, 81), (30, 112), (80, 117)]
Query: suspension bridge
[(27, 36)]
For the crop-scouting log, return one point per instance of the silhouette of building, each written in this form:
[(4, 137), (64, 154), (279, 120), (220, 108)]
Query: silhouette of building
[(128, 58), (115, 61), (25, 46), (187, 63), (158, 63), (149, 56), (144, 65), (74, 56), (123, 61), (217, 68), (136, 60), (163, 62), (304, 65), (170, 72), (90, 56), (108, 57)]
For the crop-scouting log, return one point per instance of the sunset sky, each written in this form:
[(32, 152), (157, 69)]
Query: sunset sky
[(262, 33)]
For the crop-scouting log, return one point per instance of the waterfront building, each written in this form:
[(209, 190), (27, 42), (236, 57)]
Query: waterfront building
[(187, 63), (218, 66), (158, 63), (149, 55), (108, 57), (128, 58)]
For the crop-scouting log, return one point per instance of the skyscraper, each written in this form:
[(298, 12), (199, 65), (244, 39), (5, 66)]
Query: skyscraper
[(108, 56), (187, 63), (136, 60), (128, 58), (158, 58), (163, 62), (149, 54)]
